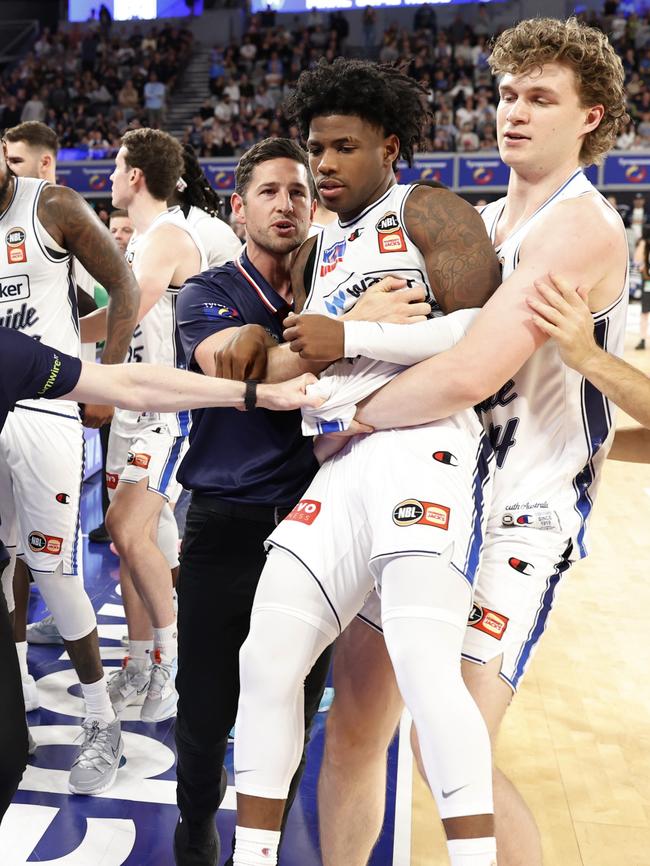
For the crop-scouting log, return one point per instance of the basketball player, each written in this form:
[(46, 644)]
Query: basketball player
[(561, 104), (382, 510), (30, 369), (121, 227), (145, 449), (202, 209), (44, 225)]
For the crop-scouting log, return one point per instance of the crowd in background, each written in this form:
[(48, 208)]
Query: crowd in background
[(90, 84)]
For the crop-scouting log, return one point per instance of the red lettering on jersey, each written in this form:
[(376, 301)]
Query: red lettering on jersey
[(394, 243), (306, 511), (488, 621), (111, 480)]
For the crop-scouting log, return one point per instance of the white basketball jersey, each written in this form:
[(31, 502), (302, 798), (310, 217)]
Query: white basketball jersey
[(155, 339), (220, 242), (550, 427), (37, 289)]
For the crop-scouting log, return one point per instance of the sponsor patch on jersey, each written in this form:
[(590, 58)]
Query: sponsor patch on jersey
[(488, 621), (219, 311), (412, 511), (390, 235), (41, 543), (445, 457), (332, 256), (63, 498), (306, 511), (520, 566), (111, 480), (14, 288), (136, 458), (15, 241)]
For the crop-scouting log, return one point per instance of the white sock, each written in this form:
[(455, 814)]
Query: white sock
[(166, 641), (98, 703), (139, 652), (256, 847), (473, 852), (21, 649)]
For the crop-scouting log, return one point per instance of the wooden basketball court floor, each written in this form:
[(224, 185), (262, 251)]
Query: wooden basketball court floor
[(576, 740)]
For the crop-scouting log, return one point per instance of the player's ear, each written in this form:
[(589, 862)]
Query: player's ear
[(238, 208), (391, 148)]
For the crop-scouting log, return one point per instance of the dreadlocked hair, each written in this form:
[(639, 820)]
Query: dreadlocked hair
[(384, 96), (198, 192)]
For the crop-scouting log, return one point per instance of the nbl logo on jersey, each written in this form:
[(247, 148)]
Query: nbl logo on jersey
[(15, 241), (390, 235), (412, 511), (41, 543)]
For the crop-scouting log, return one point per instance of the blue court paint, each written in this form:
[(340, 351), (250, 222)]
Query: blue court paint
[(133, 823)]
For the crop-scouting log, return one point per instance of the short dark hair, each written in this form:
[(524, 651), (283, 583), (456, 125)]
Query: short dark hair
[(384, 96), (118, 213), (35, 134), (263, 151), (158, 156)]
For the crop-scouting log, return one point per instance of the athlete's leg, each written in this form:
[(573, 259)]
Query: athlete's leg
[(21, 600), (360, 726), (13, 728), (291, 624), (518, 838), (425, 604)]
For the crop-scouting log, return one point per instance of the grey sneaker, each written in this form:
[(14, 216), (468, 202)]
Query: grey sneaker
[(94, 769), (162, 697), (128, 684), (44, 631)]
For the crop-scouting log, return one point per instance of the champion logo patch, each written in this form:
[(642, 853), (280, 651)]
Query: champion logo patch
[(445, 457), (521, 566)]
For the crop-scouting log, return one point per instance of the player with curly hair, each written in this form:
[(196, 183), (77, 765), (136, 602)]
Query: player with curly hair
[(382, 511), (561, 106)]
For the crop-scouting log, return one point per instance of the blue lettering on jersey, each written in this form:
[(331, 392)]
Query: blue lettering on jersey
[(502, 439), (18, 320)]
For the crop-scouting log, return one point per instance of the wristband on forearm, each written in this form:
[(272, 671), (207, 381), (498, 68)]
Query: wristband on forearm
[(250, 394)]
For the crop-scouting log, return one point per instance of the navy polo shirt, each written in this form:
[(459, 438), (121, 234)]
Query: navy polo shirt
[(255, 458), (31, 369)]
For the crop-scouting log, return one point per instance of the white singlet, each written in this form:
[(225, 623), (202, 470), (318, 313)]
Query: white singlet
[(220, 242)]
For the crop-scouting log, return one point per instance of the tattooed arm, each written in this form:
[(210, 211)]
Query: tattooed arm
[(461, 265), (579, 241), (73, 225)]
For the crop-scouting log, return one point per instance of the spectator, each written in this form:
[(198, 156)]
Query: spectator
[(154, 100), (34, 109)]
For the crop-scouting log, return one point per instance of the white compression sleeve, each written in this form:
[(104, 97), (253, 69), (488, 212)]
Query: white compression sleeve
[(407, 344)]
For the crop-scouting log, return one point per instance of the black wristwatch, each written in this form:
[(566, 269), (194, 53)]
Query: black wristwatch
[(250, 394)]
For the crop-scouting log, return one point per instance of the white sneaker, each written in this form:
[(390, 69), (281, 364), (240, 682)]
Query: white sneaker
[(30, 694), (32, 745), (45, 631), (128, 685), (95, 767), (162, 697)]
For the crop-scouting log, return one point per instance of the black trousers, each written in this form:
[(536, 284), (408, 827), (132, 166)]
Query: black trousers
[(13, 725), (221, 562)]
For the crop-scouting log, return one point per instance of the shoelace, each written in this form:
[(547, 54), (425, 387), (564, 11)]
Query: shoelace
[(91, 749)]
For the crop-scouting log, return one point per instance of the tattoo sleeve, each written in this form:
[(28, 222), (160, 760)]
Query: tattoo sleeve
[(461, 263), (70, 222)]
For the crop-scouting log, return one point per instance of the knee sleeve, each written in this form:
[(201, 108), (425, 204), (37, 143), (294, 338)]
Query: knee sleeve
[(68, 603), (168, 536), (280, 650), (8, 579), (424, 615)]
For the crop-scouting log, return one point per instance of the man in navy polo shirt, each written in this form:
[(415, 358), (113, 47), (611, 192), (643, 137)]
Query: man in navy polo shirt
[(245, 472), (29, 369)]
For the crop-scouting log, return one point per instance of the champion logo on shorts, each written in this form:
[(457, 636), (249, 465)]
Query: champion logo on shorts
[(135, 458), (412, 511), (488, 621), (520, 566), (306, 511), (41, 543), (63, 498), (111, 480), (445, 457)]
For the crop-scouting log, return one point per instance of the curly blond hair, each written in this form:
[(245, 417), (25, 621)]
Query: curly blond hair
[(587, 51)]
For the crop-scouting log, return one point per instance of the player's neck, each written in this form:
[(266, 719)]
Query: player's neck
[(387, 182), (528, 191), (274, 267), (143, 210)]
